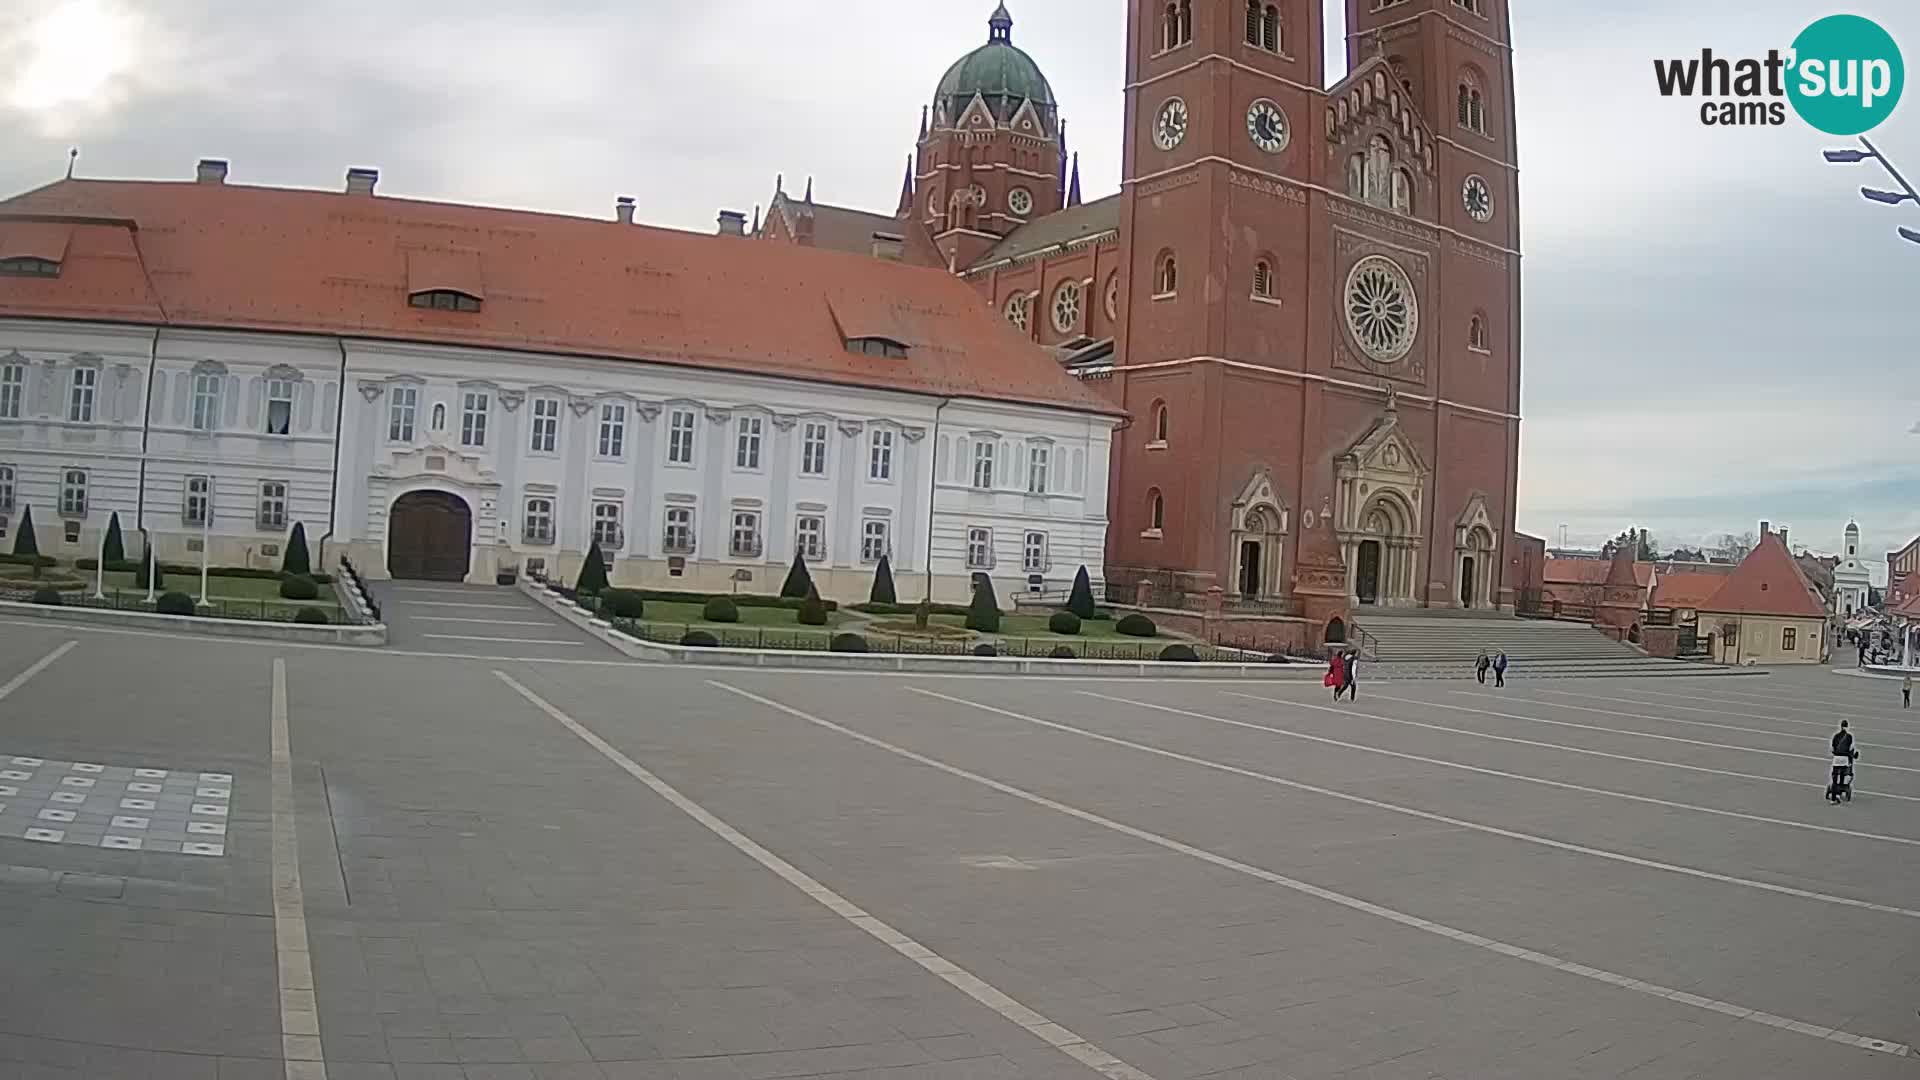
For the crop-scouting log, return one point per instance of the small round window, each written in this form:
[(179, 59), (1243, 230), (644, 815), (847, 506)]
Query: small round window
[(1066, 307)]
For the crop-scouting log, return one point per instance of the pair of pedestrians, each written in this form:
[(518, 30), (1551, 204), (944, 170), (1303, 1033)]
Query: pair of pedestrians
[(1343, 674), (1498, 665)]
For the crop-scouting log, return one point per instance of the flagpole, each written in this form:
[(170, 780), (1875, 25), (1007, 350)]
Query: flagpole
[(206, 540), (100, 571), (150, 564)]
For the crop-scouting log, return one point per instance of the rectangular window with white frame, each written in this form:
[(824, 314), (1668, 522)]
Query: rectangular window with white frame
[(1033, 553), (273, 504), (206, 400), (536, 525), (6, 488), (613, 429), (983, 464), (13, 391), (874, 544), (606, 526), (473, 418), (979, 549), (679, 535), (745, 542), (680, 437), (86, 380), (813, 449), (1039, 466), (280, 406), (402, 410), (880, 456), (746, 454), (810, 537), (545, 438), (198, 502), (73, 492)]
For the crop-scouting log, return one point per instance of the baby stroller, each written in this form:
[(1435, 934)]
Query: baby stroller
[(1841, 787)]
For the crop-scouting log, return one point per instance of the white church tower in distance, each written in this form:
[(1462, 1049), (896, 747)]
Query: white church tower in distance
[(1850, 580)]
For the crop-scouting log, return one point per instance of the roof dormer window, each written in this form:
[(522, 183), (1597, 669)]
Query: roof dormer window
[(28, 266), (444, 300), (877, 346)]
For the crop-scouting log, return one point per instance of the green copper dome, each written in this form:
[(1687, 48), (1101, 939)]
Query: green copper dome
[(998, 72)]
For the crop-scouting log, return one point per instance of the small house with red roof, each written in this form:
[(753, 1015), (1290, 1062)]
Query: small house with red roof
[(1766, 611)]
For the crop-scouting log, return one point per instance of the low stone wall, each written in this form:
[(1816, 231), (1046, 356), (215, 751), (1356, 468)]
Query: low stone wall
[(1269, 633), (968, 665), (1660, 641), (333, 634)]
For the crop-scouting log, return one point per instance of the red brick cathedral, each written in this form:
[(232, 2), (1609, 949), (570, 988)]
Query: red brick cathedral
[(1306, 297)]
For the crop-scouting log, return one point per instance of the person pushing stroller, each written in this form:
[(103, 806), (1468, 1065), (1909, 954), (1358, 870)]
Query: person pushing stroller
[(1844, 755)]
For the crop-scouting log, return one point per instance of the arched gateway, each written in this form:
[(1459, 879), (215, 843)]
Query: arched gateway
[(430, 536)]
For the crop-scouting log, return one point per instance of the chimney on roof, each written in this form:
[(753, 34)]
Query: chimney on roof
[(1783, 537), (623, 209), (210, 171), (1765, 527), (889, 246), (733, 223), (361, 181)]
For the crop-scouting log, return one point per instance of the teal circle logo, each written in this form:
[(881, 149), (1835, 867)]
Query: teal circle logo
[(1847, 75)]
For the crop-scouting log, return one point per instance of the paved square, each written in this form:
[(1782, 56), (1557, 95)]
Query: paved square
[(119, 807), (532, 868)]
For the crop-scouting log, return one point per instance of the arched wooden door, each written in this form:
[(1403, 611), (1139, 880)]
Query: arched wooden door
[(429, 536)]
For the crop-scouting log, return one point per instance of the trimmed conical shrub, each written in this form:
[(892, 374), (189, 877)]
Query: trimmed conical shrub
[(798, 580), (813, 610), (115, 549), (296, 561), (883, 584), (983, 614), (593, 573), (1080, 601), (24, 542)]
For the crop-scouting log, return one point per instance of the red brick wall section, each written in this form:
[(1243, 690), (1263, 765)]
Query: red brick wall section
[(1271, 634), (1660, 641)]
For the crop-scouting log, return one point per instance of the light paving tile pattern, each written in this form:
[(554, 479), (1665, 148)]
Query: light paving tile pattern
[(117, 807)]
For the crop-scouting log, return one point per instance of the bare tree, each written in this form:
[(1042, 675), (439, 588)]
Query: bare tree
[(1737, 546)]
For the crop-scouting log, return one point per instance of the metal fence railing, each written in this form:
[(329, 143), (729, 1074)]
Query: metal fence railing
[(250, 610)]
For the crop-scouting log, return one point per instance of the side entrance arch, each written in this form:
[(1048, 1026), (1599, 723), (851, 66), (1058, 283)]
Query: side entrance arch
[(430, 536)]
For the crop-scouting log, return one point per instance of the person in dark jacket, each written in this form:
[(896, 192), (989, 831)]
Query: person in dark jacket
[(1844, 755), (1480, 667), (1350, 686), (1500, 669)]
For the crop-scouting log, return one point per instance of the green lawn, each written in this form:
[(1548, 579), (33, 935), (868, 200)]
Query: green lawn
[(233, 589), (689, 614)]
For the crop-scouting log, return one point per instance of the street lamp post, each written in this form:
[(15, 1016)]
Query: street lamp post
[(151, 560)]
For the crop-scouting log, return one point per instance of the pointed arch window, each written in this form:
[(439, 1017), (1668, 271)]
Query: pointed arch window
[(1472, 106), (1263, 279), (1160, 423), (1156, 512), (1177, 24), (1477, 333), (1253, 22), (1403, 191), (1166, 275), (1270, 29)]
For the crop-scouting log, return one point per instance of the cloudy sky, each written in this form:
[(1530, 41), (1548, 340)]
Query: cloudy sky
[(1718, 329)]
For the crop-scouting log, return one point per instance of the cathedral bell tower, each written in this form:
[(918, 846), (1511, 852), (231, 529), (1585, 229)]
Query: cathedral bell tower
[(992, 150)]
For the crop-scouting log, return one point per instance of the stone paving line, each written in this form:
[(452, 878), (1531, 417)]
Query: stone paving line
[(1046, 1030), (1543, 781), (36, 668), (299, 1012), (1727, 1008)]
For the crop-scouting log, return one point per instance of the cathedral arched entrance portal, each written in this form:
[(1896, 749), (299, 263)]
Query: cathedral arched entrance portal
[(1383, 552), (1258, 535)]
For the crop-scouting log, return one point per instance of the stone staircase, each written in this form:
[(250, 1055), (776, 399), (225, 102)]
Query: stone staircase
[(1440, 643)]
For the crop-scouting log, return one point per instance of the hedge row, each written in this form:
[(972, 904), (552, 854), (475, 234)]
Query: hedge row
[(909, 609), (668, 596), (132, 566)]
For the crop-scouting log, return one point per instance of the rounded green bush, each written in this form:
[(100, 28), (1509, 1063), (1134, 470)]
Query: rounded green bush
[(720, 609), (174, 603), (1061, 652), (622, 604), (984, 649), (1064, 622), (1179, 652), (848, 643), (699, 639), (311, 616), (1135, 624), (49, 597), (299, 587), (813, 610)]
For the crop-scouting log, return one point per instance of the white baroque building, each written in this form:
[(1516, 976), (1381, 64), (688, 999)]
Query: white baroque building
[(1852, 582), (442, 391)]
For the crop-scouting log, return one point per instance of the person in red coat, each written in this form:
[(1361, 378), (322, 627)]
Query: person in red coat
[(1336, 674)]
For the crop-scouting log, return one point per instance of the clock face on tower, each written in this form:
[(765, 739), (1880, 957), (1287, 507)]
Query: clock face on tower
[(1477, 197), (1267, 126), (1171, 125)]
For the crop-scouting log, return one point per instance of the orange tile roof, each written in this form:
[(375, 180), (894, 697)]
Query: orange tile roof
[(35, 240), (274, 259), (1687, 589), (1768, 582)]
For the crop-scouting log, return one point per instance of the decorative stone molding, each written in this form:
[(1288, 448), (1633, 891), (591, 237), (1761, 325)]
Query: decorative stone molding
[(1279, 190), (719, 416), (648, 411), (511, 400), (371, 389), (851, 428), (784, 421), (913, 434), (1170, 183)]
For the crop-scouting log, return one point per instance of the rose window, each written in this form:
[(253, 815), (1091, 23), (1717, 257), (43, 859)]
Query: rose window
[(1017, 311), (1381, 311), (1066, 307)]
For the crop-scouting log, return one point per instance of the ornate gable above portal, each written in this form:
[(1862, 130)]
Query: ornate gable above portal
[(1381, 466), (437, 460), (1259, 509), (1371, 99), (1474, 517)]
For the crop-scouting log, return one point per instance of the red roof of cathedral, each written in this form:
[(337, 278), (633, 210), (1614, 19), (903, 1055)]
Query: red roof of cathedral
[(1768, 582), (272, 259)]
